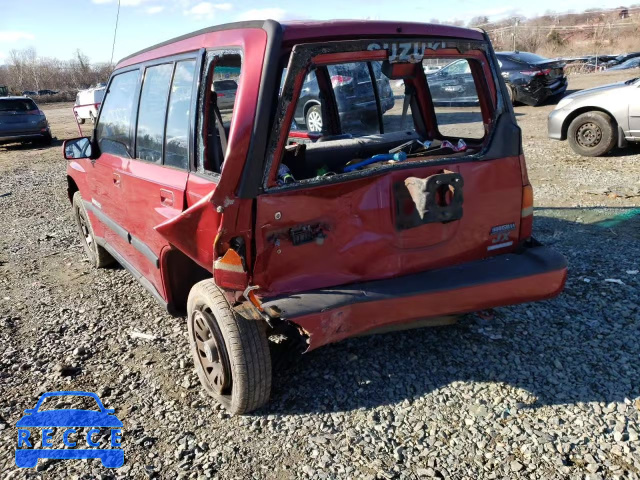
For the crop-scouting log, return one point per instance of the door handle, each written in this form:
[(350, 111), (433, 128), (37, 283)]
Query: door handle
[(116, 180), (166, 197)]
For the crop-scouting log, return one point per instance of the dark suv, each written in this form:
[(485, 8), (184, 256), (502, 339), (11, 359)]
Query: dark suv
[(22, 121), (355, 98)]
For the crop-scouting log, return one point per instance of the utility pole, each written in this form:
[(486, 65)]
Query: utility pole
[(515, 32)]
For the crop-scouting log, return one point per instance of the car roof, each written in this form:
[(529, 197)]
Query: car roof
[(296, 31)]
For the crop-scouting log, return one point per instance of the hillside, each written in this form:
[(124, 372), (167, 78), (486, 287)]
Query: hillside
[(594, 31)]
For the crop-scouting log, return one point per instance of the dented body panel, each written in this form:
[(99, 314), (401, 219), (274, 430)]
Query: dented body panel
[(362, 241)]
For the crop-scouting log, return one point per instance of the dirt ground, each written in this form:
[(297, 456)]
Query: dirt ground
[(536, 390)]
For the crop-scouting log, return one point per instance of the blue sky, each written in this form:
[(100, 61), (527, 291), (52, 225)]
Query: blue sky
[(56, 28)]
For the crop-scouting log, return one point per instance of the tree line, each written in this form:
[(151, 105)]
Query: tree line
[(25, 71)]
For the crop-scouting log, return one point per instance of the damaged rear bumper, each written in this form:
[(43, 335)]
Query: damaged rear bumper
[(534, 95), (332, 314)]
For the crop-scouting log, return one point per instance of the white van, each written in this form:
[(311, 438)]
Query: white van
[(87, 104)]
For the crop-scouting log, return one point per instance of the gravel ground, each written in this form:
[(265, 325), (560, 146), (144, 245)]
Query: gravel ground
[(544, 390)]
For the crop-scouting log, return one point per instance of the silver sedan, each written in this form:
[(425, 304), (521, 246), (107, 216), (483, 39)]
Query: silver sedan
[(597, 119)]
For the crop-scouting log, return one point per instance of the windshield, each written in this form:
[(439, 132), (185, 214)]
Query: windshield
[(17, 105)]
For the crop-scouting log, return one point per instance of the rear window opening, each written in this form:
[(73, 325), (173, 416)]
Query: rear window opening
[(374, 109), (17, 105)]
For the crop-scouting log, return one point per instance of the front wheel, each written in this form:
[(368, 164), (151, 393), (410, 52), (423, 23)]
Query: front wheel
[(97, 255), (592, 134), (231, 353)]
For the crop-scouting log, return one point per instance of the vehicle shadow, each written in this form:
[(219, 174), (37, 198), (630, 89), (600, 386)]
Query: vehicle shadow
[(30, 145), (627, 151), (579, 347)]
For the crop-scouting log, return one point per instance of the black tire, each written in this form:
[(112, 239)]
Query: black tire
[(46, 140), (80, 121), (239, 376), (592, 134), (313, 119), (97, 255)]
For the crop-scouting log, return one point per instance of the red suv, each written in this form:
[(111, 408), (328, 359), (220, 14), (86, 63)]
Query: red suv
[(256, 229)]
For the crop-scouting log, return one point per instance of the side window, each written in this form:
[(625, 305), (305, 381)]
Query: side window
[(455, 101), (152, 111), (115, 118), (224, 77), (176, 146)]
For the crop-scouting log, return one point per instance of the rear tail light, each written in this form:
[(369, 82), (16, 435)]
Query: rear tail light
[(35, 112), (535, 73), (339, 80), (526, 217), (220, 94), (526, 212)]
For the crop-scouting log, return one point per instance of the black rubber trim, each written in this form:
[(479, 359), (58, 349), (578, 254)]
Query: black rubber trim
[(533, 261), (251, 179), (215, 28), (132, 270), (506, 135), (138, 244)]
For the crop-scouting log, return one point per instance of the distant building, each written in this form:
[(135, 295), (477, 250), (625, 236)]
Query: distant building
[(623, 12)]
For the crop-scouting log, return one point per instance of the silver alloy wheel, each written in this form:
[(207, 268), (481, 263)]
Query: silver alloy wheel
[(314, 121)]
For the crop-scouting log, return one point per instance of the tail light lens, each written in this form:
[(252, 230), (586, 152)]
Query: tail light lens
[(35, 112), (536, 73), (220, 94), (526, 217), (339, 80)]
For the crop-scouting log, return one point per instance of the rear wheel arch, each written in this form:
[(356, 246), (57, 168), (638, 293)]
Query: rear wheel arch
[(579, 111), (179, 274), (308, 105)]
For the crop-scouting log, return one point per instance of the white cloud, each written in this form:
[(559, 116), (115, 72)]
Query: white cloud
[(207, 9), (13, 36), (154, 10), (274, 13)]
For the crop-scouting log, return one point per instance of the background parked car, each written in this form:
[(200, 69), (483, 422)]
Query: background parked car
[(22, 121), (621, 59), (226, 91), (453, 84), (88, 103), (596, 119), (530, 78), (30, 93), (47, 92), (631, 63), (354, 95)]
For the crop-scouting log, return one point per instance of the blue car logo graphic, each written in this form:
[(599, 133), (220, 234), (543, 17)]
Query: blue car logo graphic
[(69, 420)]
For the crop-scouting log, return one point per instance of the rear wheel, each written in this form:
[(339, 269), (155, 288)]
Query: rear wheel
[(313, 119), (80, 120), (97, 255), (231, 353), (592, 134)]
